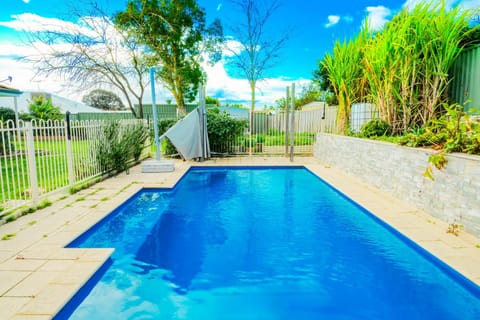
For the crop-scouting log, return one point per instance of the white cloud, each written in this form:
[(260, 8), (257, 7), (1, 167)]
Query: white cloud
[(26, 1), (232, 89), (219, 83), (24, 78), (30, 22), (377, 17), (232, 47), (332, 20)]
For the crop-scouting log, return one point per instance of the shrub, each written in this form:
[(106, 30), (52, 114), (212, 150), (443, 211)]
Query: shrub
[(112, 150), (260, 138), (137, 134), (375, 128), (275, 132), (6, 114), (42, 109), (6, 144), (117, 147), (223, 130), (163, 125), (453, 132), (26, 116)]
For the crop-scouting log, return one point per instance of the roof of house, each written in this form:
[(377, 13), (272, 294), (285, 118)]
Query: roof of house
[(313, 105), (9, 92), (24, 99)]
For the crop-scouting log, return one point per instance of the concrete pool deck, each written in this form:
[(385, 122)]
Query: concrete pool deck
[(38, 275)]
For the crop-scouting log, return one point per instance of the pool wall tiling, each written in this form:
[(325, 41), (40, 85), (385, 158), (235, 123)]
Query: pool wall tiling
[(38, 275)]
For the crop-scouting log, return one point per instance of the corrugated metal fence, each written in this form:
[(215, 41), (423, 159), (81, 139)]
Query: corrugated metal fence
[(465, 85), (164, 111)]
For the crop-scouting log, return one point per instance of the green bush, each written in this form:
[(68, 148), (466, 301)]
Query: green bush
[(275, 132), (137, 135), (260, 138), (26, 116), (167, 147), (223, 130), (5, 139), (42, 109), (375, 128), (6, 114), (117, 147), (453, 132)]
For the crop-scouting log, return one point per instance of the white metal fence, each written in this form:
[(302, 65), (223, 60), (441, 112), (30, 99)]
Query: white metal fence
[(41, 157), (38, 158), (273, 132)]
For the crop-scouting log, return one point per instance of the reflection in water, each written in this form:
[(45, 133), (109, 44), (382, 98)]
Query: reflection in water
[(178, 241), (176, 245)]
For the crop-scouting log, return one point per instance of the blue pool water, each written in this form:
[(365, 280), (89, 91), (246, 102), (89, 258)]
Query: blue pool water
[(262, 243)]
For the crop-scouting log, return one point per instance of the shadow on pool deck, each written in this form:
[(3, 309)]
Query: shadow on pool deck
[(38, 275)]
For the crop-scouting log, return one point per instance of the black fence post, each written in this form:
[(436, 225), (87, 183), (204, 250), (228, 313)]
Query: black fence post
[(69, 129)]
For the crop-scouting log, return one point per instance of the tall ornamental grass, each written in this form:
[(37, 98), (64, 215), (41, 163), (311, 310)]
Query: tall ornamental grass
[(403, 68), (345, 73)]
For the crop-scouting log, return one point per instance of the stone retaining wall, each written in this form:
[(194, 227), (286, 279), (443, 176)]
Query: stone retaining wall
[(454, 195)]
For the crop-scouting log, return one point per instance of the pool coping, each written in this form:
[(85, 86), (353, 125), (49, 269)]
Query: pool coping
[(38, 276)]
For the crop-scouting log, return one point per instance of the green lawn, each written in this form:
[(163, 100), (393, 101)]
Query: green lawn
[(278, 139), (52, 170)]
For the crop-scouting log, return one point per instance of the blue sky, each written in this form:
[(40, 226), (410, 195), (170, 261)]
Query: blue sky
[(315, 25)]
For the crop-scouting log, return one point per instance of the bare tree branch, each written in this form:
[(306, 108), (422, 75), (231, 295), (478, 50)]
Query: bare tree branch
[(92, 54), (258, 51)]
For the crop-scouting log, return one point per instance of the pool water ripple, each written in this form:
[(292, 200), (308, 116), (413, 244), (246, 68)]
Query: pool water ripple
[(271, 243)]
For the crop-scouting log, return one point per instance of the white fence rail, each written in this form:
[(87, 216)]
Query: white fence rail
[(272, 132), (40, 157)]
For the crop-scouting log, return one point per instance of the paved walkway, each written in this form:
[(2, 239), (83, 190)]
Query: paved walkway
[(38, 275)]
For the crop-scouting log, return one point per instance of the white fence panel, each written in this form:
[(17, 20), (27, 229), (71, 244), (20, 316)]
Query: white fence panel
[(38, 158), (270, 133)]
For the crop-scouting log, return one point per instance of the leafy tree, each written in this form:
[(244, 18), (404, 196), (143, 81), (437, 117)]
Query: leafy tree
[(92, 53), (102, 99), (309, 93), (177, 36), (258, 51), (320, 77), (42, 109), (211, 100), (236, 105)]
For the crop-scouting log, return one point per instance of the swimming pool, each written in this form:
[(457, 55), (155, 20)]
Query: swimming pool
[(262, 243)]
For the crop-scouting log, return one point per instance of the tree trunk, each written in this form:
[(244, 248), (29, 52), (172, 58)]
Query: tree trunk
[(181, 110), (140, 109), (130, 106), (252, 105)]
